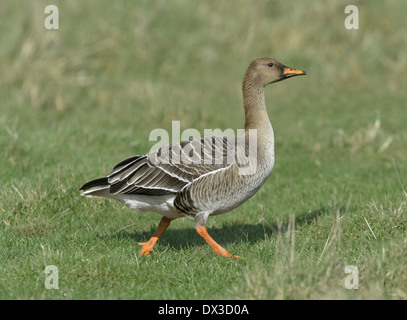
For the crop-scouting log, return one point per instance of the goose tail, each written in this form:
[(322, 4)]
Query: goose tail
[(98, 187)]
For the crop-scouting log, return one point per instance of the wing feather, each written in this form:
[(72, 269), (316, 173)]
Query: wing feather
[(170, 168)]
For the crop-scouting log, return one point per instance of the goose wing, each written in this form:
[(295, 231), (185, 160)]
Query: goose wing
[(169, 169)]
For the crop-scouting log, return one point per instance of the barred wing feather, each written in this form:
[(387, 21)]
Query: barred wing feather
[(170, 168)]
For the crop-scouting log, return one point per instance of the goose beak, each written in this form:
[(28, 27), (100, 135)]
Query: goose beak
[(290, 72)]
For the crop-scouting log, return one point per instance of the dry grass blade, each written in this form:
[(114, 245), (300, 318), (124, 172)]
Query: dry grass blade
[(374, 236)]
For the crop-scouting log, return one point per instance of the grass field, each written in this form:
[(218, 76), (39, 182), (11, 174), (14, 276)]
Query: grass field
[(75, 101)]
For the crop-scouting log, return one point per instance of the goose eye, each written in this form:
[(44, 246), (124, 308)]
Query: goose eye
[(270, 65)]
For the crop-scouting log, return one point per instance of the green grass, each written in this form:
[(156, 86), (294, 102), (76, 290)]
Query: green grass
[(77, 100)]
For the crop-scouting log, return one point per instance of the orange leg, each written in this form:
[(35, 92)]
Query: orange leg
[(214, 245), (148, 246)]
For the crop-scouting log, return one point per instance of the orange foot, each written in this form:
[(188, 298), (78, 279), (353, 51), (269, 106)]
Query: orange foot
[(226, 254), (147, 248), (219, 250)]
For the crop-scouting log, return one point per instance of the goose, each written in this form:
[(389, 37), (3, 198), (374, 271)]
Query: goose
[(205, 176)]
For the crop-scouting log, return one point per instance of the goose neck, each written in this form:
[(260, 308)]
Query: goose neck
[(255, 108)]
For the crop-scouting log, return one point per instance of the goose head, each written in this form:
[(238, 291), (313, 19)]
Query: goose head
[(263, 71)]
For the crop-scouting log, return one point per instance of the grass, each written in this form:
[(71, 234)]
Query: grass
[(75, 101)]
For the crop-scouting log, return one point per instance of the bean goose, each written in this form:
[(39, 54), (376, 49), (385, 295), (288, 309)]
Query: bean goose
[(201, 177)]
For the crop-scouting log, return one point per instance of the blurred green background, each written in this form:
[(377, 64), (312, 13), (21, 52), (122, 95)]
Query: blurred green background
[(75, 101)]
